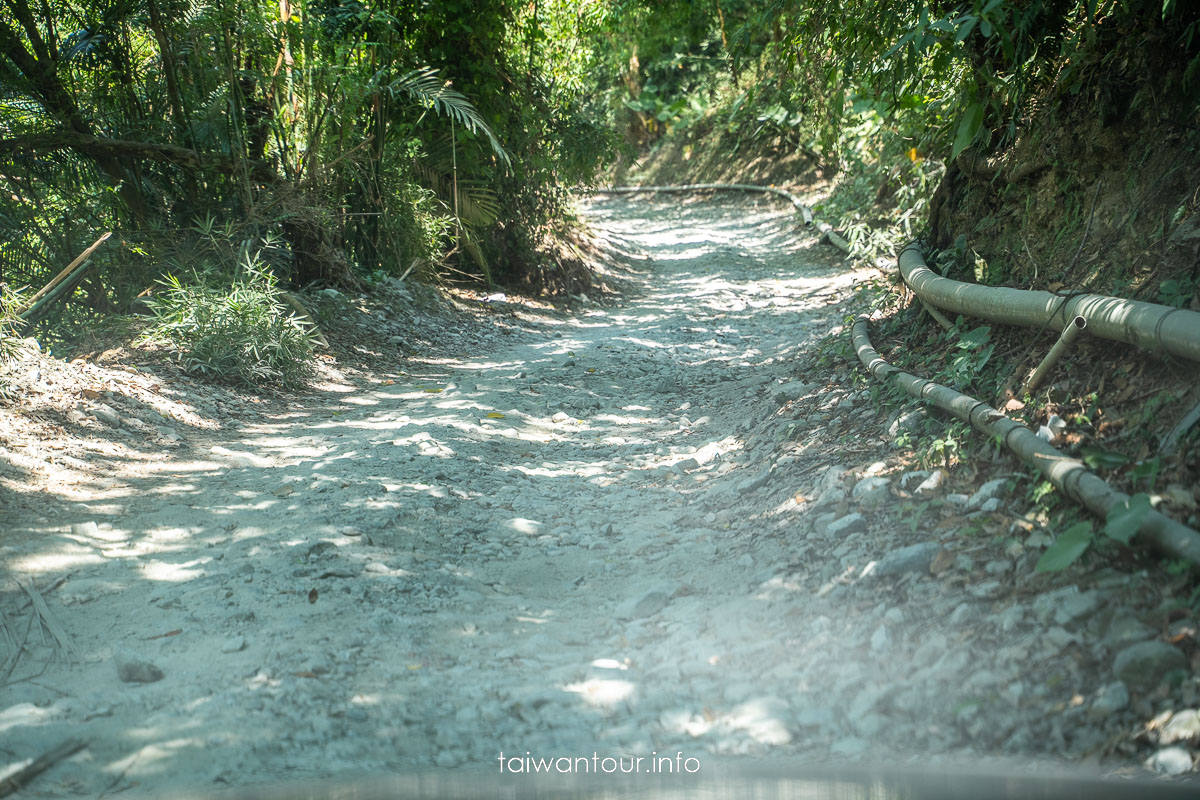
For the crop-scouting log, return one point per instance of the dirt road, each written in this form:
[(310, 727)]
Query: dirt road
[(655, 527)]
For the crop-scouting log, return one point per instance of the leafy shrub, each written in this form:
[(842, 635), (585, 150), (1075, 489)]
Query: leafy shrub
[(238, 330), (10, 324)]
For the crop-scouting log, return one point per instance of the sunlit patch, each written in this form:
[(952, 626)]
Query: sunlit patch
[(529, 527), (172, 573), (614, 419), (610, 663), (154, 759), (426, 445), (601, 692), (55, 562), (682, 722), (22, 715)]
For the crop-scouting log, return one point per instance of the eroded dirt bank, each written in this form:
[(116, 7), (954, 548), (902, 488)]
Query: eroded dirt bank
[(652, 527)]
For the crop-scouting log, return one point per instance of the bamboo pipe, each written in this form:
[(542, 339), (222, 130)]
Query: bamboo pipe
[(1069, 334), (1068, 474), (1149, 325)]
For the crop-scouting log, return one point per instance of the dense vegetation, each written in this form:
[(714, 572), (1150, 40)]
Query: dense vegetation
[(391, 136), (341, 141)]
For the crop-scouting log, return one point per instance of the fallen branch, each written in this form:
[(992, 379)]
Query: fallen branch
[(19, 779)]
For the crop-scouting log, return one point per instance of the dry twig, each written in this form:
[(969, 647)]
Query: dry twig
[(15, 782)]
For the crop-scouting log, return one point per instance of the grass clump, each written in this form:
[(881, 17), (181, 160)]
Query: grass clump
[(10, 342), (233, 328)]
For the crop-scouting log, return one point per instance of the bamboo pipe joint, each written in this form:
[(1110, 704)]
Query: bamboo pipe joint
[(1075, 327)]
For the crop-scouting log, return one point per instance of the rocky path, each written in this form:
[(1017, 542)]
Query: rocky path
[(654, 528)]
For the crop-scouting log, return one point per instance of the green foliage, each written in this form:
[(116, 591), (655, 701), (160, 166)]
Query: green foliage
[(1067, 548), (233, 328), (1098, 458), (10, 326), (1125, 518), (383, 137), (1177, 293), (1122, 523), (10, 323)]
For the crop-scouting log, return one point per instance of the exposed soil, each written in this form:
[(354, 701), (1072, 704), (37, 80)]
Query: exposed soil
[(666, 524)]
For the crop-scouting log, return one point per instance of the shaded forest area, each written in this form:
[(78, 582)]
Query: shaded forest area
[(237, 148)]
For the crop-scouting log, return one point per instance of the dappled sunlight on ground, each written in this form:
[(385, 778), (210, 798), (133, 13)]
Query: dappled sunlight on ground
[(601, 534)]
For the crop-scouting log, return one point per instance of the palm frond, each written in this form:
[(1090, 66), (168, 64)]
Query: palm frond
[(425, 86), (477, 204)]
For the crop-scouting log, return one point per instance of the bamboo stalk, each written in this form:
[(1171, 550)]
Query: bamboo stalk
[(1069, 334), (938, 316), (45, 290), (1068, 474), (1149, 325)]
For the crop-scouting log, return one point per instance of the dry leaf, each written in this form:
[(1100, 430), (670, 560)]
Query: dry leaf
[(943, 561), (495, 415), (1014, 405), (312, 596)]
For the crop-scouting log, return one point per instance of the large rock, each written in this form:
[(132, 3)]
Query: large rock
[(1144, 665), (1109, 700), (1183, 726), (910, 421), (872, 491), (1126, 629), (851, 523), (1170, 761), (1066, 604), (992, 490), (914, 558), (792, 390)]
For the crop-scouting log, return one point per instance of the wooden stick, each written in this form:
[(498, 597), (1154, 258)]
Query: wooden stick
[(66, 272), (15, 782)]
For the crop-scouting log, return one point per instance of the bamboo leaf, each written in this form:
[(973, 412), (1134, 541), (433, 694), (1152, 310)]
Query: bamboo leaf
[(968, 127)]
